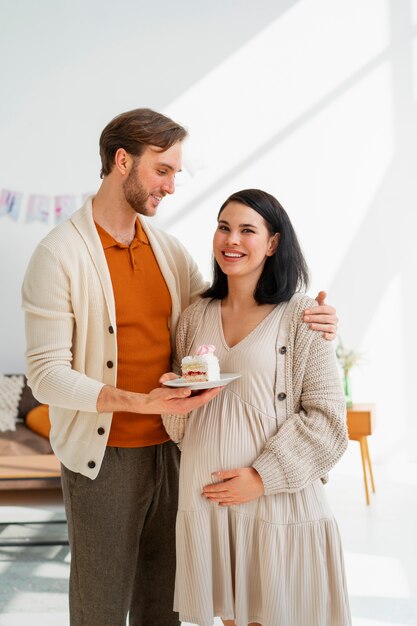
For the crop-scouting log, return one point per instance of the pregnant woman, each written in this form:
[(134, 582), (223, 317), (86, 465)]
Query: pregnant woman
[(256, 541)]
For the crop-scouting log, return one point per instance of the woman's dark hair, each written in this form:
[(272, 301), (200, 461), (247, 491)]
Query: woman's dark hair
[(134, 131), (285, 272)]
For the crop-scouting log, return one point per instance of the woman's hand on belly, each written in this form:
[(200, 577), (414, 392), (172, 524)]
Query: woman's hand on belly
[(237, 487)]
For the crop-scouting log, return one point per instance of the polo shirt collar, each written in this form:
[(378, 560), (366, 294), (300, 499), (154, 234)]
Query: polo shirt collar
[(110, 242)]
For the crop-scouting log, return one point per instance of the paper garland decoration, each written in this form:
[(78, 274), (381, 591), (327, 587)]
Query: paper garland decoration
[(64, 207), (10, 203), (40, 208)]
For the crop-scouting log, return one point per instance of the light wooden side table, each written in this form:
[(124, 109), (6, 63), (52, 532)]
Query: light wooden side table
[(361, 424)]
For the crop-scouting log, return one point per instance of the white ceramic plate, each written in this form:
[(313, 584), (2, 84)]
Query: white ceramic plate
[(225, 379)]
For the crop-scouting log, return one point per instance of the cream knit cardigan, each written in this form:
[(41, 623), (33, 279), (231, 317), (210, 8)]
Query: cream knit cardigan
[(313, 436), (71, 329)]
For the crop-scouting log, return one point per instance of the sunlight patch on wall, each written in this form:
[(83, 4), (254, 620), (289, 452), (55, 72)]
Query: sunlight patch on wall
[(301, 112), (276, 79)]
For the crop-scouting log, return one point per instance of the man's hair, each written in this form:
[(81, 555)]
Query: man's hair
[(135, 131), (285, 272)]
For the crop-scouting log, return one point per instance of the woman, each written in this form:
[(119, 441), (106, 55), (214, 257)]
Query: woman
[(256, 541)]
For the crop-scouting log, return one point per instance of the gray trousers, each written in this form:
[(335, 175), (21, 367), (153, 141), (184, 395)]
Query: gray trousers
[(122, 537)]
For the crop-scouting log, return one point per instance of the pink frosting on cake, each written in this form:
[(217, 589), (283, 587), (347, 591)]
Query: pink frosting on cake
[(205, 349)]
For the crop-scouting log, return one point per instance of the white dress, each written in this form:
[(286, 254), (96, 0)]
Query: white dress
[(276, 560)]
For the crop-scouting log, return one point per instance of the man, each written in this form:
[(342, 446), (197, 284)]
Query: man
[(102, 296)]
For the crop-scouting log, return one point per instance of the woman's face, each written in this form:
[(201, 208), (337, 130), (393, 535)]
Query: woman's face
[(242, 241)]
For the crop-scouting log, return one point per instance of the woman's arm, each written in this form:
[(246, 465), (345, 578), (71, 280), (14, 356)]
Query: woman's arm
[(307, 445), (175, 423)]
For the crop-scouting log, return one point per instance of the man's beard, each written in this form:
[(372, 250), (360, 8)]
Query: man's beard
[(135, 194)]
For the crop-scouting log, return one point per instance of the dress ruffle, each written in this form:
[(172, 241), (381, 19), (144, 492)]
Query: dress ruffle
[(282, 573)]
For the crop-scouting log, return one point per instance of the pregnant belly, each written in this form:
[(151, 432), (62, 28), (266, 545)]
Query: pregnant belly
[(219, 442)]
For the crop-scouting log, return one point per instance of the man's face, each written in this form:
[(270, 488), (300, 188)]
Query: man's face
[(151, 177)]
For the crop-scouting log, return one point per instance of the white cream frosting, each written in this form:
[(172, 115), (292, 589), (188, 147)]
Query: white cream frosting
[(204, 367)]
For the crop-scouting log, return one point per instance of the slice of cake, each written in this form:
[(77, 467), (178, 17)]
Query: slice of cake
[(203, 366)]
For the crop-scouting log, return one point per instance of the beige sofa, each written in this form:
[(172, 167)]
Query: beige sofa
[(26, 458)]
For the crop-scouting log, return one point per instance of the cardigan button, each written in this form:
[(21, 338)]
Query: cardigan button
[(282, 396), (111, 330), (109, 364), (282, 350), (101, 430), (91, 464)]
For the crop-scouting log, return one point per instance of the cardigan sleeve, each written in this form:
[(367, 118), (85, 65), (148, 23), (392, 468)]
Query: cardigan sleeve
[(50, 325), (311, 441), (175, 424), (197, 282)]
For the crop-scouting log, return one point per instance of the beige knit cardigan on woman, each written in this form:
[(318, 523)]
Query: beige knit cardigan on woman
[(313, 435)]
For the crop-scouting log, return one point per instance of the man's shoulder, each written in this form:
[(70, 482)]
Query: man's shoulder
[(65, 233)]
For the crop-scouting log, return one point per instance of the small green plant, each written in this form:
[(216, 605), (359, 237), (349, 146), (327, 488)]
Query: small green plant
[(347, 358)]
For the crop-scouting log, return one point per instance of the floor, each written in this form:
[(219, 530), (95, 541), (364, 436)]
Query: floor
[(380, 543)]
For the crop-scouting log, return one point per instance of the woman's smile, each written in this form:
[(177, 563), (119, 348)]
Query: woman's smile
[(242, 240), (232, 255)]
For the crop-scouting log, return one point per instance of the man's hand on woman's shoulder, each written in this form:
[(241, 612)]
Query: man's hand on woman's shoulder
[(322, 318)]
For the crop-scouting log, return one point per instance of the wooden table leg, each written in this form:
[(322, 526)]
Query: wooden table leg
[(362, 442), (361, 422), (369, 465)]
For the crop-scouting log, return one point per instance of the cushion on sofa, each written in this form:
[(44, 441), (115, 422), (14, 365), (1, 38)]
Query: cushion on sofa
[(38, 420)]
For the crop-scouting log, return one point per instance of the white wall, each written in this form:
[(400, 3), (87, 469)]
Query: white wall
[(312, 100)]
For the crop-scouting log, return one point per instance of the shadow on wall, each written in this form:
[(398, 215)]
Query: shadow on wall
[(232, 25), (387, 230), (386, 235), (175, 43)]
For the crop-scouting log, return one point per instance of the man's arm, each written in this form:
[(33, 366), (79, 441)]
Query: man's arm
[(160, 400), (50, 329), (322, 318)]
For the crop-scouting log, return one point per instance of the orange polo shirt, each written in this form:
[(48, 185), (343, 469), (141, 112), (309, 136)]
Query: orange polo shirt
[(143, 312)]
